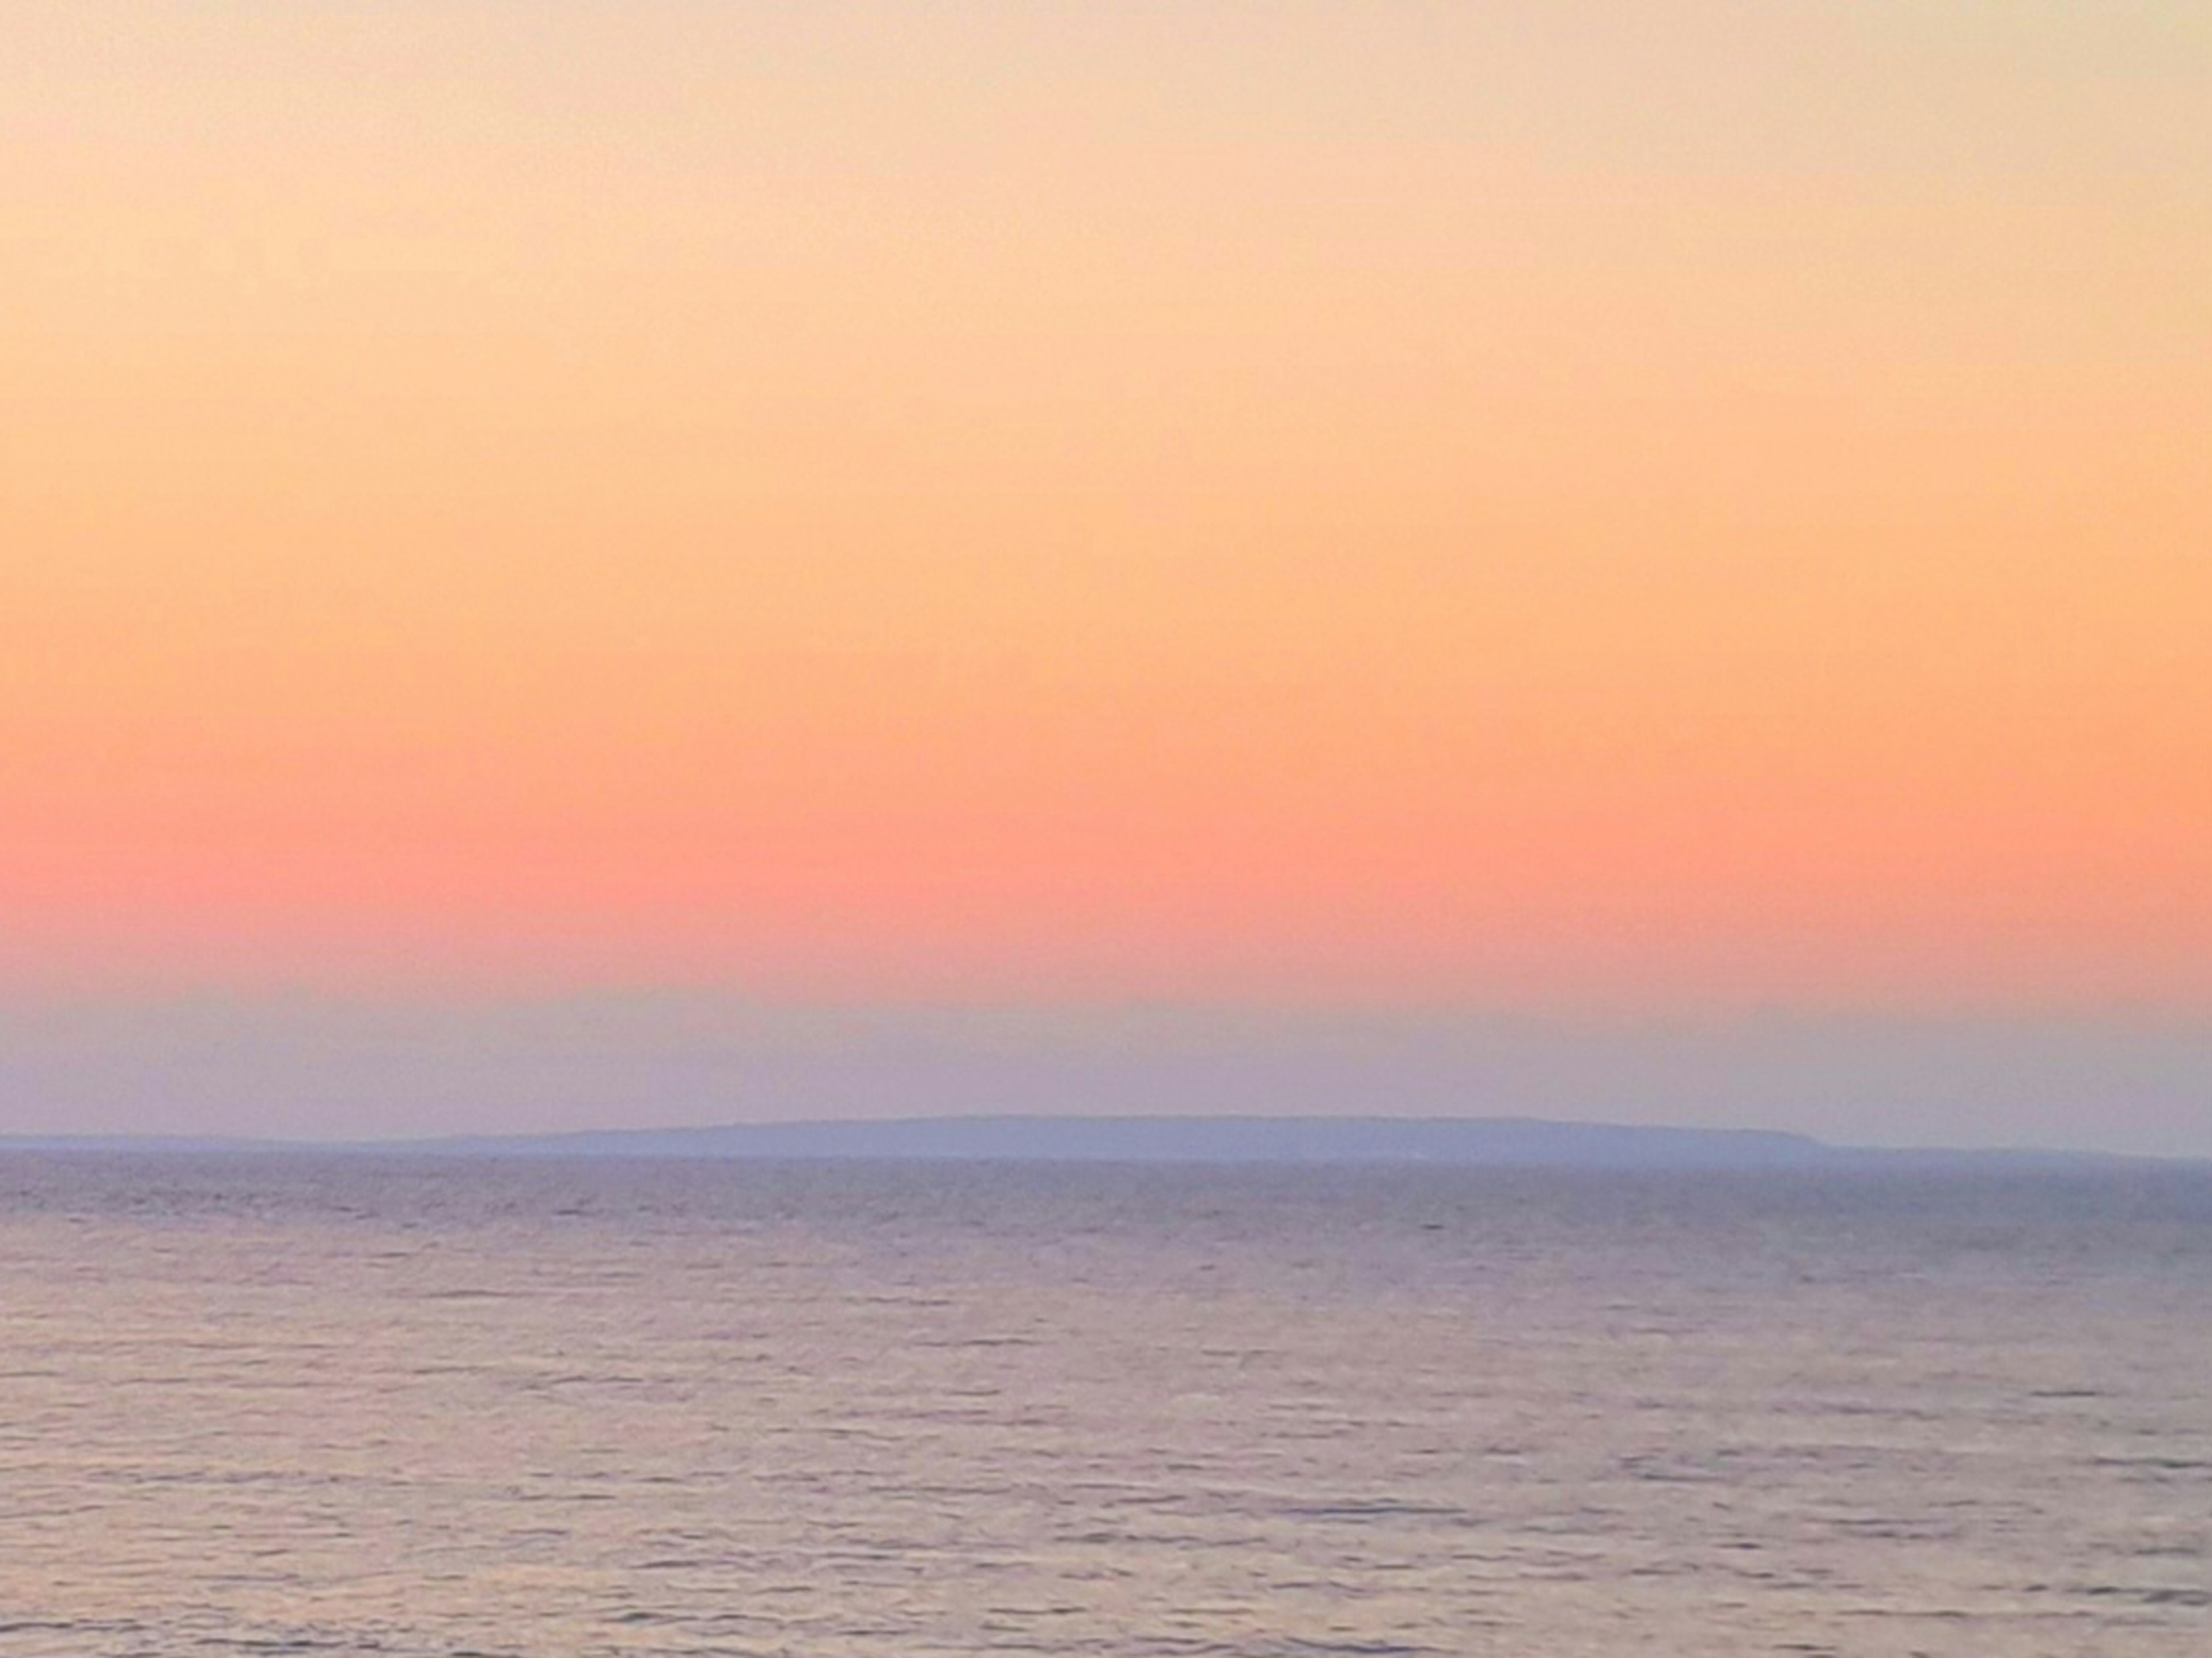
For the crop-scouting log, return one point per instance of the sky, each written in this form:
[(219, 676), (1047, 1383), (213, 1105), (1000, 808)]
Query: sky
[(1626, 521)]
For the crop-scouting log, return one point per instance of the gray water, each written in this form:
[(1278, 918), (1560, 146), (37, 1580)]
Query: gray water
[(341, 1406)]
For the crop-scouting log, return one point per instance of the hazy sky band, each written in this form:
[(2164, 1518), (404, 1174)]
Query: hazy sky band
[(1564, 506), (315, 1068)]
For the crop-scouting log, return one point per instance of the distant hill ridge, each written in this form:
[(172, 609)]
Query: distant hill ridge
[(1509, 1141), (1472, 1142)]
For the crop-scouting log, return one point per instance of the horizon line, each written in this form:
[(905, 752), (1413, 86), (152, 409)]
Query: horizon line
[(1808, 1151)]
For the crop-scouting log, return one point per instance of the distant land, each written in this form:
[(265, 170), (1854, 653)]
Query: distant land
[(1467, 1142)]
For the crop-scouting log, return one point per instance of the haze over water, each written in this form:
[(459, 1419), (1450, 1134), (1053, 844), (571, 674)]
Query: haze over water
[(342, 1405)]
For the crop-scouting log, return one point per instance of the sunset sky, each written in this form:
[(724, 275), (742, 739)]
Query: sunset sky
[(1601, 514)]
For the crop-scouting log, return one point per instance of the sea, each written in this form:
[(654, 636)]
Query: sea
[(326, 1404)]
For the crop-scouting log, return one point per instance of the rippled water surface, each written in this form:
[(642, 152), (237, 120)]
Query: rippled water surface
[(348, 1406)]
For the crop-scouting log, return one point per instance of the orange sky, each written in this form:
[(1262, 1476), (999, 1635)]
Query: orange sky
[(1588, 505)]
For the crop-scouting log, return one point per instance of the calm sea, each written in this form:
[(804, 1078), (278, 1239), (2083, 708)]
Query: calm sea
[(339, 1405)]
